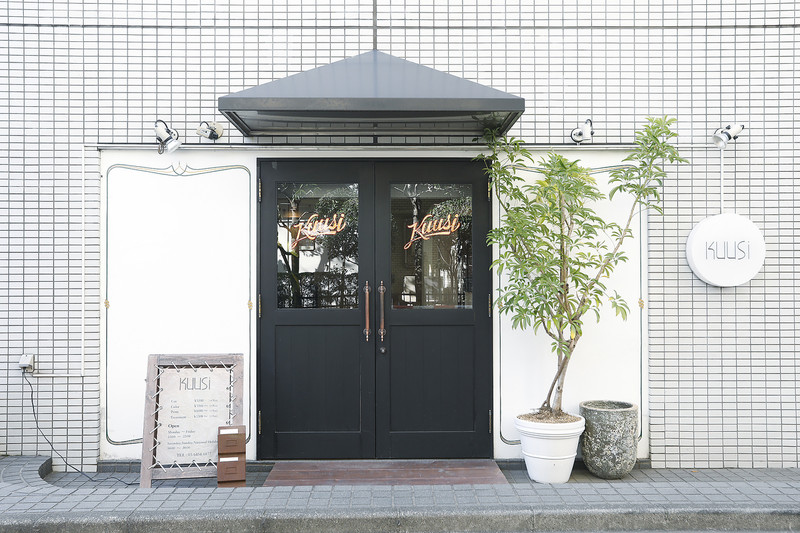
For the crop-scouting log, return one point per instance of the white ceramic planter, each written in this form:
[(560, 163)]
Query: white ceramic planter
[(549, 449)]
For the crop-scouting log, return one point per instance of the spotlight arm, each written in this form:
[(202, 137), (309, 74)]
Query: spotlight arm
[(210, 130), (720, 139), (582, 133), (164, 134)]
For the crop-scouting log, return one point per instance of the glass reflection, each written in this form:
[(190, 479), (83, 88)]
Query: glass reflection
[(317, 245), (431, 246)]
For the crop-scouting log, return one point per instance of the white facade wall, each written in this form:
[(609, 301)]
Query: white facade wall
[(723, 363)]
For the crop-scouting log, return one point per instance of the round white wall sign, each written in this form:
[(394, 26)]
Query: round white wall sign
[(725, 250)]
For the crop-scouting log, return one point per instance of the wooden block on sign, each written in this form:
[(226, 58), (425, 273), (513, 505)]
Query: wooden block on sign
[(231, 467), (231, 439)]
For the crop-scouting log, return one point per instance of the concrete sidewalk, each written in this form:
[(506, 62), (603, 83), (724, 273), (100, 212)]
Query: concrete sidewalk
[(32, 498)]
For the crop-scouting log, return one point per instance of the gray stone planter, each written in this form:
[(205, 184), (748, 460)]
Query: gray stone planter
[(608, 444)]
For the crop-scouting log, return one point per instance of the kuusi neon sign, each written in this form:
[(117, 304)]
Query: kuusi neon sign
[(429, 227), (316, 227)]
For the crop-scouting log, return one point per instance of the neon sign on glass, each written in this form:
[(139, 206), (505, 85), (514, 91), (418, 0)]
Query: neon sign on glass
[(429, 227), (316, 226)]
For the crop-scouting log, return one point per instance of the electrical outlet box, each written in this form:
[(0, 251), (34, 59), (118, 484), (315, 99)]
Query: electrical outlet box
[(26, 362)]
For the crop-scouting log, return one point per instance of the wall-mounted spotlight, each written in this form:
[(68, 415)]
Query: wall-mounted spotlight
[(723, 135), (210, 130), (583, 133), (167, 138)]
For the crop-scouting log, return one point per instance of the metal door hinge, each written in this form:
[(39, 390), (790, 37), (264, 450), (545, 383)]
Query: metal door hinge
[(259, 305), (259, 422), (490, 305), (259, 190), (490, 421), (489, 190)]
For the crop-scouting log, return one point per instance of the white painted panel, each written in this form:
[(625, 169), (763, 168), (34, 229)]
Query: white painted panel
[(608, 364), (177, 277)]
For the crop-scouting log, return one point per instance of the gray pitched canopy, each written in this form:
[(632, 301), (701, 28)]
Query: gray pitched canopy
[(369, 95)]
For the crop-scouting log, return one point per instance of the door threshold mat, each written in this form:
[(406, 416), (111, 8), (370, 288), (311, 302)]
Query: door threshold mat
[(394, 472)]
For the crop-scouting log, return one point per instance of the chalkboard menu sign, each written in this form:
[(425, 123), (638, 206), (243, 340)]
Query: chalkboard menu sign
[(188, 397)]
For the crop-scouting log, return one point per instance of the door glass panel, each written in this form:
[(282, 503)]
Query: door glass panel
[(317, 245), (431, 246)]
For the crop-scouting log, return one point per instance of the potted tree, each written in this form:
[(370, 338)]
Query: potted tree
[(556, 252)]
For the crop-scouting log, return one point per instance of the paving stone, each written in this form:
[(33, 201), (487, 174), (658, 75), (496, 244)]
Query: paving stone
[(658, 496)]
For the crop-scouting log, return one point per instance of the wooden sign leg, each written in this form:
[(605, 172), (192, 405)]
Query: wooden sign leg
[(148, 435)]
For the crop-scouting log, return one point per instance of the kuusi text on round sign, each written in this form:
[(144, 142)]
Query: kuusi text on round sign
[(725, 250)]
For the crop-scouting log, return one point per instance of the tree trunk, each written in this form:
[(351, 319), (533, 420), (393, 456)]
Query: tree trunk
[(419, 281), (552, 402), (559, 390), (297, 295)]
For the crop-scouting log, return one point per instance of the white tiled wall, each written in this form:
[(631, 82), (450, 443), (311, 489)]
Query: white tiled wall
[(724, 371)]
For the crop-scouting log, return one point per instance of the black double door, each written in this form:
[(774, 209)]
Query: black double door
[(374, 330)]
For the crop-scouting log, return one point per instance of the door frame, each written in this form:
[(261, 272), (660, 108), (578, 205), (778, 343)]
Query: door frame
[(265, 446), (267, 311), (388, 442)]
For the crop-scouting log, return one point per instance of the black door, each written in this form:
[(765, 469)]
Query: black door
[(374, 333)]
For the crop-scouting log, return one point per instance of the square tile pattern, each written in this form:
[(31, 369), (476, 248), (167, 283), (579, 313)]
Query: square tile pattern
[(722, 365)]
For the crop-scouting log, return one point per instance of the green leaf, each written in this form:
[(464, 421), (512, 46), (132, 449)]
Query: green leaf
[(555, 251)]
